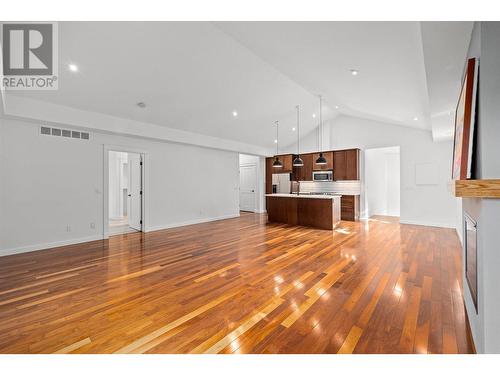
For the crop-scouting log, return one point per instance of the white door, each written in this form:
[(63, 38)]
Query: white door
[(135, 190), (248, 183)]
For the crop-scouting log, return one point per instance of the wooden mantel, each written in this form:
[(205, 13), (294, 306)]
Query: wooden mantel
[(476, 188)]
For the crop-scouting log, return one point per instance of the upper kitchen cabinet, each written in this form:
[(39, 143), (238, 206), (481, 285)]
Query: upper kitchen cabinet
[(352, 160), (304, 173), (328, 155), (287, 168), (287, 164), (346, 164)]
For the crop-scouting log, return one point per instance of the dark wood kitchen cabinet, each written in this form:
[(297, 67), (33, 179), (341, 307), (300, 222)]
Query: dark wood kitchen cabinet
[(346, 164), (282, 210), (269, 175), (287, 164), (304, 173), (323, 213), (349, 207), (352, 161), (287, 168), (328, 155)]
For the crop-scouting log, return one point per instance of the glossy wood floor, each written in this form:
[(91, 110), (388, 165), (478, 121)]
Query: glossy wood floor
[(240, 286)]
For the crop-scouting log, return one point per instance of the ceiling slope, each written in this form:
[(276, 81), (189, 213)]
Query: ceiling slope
[(319, 56), (445, 47), (193, 75)]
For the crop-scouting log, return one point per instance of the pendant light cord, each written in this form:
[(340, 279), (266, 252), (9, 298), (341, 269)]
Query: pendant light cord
[(298, 132), (276, 138), (320, 126)]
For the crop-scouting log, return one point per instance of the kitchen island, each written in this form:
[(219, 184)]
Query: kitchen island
[(310, 210)]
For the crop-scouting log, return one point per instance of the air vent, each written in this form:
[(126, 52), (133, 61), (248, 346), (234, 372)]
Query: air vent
[(45, 130)]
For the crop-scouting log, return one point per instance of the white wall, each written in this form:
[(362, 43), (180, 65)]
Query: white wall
[(419, 204), (460, 224), (381, 181), (44, 111), (49, 183), (310, 142), (485, 323), (260, 163)]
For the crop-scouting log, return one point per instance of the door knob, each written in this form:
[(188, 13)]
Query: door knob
[(130, 195)]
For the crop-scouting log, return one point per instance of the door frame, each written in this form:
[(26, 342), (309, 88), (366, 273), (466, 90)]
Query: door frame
[(144, 180), (129, 200), (255, 203)]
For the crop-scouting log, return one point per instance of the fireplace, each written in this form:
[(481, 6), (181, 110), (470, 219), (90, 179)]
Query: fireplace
[(470, 244)]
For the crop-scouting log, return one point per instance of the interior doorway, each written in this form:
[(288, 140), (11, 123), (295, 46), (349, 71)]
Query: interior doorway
[(382, 182), (248, 187), (125, 189)]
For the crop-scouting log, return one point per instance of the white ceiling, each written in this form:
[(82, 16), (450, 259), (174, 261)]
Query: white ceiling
[(192, 75), (319, 56)]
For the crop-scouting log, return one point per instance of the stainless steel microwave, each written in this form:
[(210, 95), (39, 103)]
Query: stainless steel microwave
[(323, 176)]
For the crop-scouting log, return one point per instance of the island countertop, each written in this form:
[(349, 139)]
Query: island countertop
[(311, 196), (310, 210)]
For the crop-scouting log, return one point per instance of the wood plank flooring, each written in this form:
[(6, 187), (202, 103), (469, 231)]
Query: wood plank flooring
[(240, 286)]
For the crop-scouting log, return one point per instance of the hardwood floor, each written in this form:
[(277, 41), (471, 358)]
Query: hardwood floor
[(240, 286)]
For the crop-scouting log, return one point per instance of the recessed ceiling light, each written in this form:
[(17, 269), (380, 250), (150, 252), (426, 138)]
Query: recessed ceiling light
[(73, 67), (275, 141), (293, 129), (141, 105), (336, 107), (235, 114), (314, 115), (354, 72), (415, 118)]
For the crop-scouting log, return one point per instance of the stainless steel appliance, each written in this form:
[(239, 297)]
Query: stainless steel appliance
[(323, 176)]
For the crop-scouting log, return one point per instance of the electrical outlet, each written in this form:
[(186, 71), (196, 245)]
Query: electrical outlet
[(92, 225), (68, 228)]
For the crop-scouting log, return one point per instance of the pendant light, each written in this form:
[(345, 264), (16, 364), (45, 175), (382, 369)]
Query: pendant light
[(298, 162), (321, 159), (277, 162)]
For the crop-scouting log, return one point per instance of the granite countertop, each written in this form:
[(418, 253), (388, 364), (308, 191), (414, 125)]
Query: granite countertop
[(310, 196)]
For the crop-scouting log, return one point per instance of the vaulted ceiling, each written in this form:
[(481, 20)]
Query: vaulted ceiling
[(193, 75)]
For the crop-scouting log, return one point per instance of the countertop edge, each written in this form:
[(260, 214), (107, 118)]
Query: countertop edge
[(319, 196)]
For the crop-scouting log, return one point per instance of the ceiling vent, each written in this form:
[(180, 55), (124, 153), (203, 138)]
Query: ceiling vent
[(65, 133)]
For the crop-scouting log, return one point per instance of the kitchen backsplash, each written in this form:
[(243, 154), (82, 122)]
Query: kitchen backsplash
[(341, 187)]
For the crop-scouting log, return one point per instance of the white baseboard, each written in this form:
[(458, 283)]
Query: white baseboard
[(49, 245), (420, 222), (190, 222), (427, 223)]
